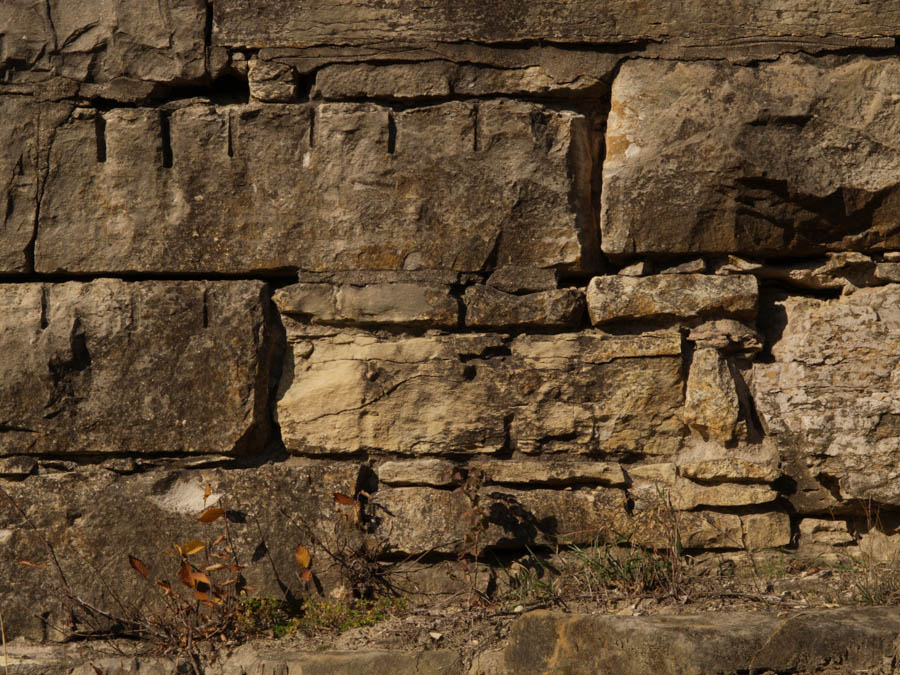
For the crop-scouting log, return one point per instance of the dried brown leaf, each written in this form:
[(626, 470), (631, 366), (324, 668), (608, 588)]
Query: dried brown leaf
[(211, 514), (193, 546), (139, 566), (306, 576), (215, 566), (302, 556), (164, 585), (341, 498), (207, 491), (186, 575)]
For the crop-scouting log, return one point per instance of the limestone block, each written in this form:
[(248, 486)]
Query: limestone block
[(711, 405), (488, 307), (766, 530), (684, 173), (726, 335), (829, 398), (433, 472), (346, 390), (397, 81), (552, 473), (100, 40), (271, 82), (689, 25), (729, 470), (330, 187), (405, 303), (145, 367), (686, 495), (823, 532), (517, 279), (673, 296)]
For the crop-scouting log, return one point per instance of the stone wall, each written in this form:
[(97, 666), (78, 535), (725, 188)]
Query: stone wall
[(593, 253)]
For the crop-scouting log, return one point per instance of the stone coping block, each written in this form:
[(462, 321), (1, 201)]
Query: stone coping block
[(859, 639)]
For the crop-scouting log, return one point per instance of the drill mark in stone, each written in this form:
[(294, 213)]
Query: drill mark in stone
[(206, 308), (391, 134), (475, 128), (229, 137), (312, 127), (165, 132), (45, 308), (100, 133)]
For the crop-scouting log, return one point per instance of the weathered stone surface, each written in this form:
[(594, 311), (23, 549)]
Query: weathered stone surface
[(516, 279), (766, 530), (488, 307), (406, 303), (729, 470), (675, 296), (855, 638), (271, 82), (694, 25), (829, 398), (399, 81), (217, 189), (818, 532), (26, 127), (685, 495), (442, 79), (100, 40), (148, 367), (697, 266), (552, 473), (726, 335), (349, 390), (433, 472), (638, 269), (684, 173), (711, 406)]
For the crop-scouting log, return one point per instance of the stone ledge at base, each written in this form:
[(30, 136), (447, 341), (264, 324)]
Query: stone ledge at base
[(825, 641)]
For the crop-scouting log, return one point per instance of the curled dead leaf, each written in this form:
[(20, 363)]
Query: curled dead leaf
[(211, 514), (139, 566), (302, 556), (201, 578), (186, 575), (164, 585), (193, 546)]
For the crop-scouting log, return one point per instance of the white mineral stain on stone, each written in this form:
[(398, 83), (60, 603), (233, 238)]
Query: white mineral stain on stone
[(185, 496)]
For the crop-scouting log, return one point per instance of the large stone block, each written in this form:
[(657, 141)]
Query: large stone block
[(689, 25), (100, 40), (345, 391), (329, 187), (830, 398), (786, 158), (147, 367)]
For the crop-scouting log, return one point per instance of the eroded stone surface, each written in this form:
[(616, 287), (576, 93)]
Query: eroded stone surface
[(488, 307), (675, 296), (100, 40), (349, 390), (220, 189), (711, 405), (684, 173), (829, 396), (148, 367)]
